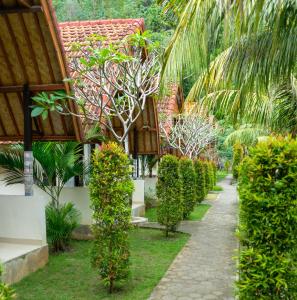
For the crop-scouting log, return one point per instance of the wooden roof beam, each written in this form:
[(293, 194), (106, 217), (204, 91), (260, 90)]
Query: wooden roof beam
[(33, 88), (20, 10)]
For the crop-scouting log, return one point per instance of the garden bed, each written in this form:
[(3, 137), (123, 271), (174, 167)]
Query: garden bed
[(70, 275)]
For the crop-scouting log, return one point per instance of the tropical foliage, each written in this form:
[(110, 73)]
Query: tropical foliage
[(111, 189), (244, 65), (170, 207), (268, 219), (60, 223), (53, 166), (6, 293), (188, 190)]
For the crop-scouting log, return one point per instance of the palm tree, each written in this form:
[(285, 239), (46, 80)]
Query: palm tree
[(53, 166), (242, 56)]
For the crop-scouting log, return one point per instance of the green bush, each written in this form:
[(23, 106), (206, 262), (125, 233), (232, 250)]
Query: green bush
[(6, 293), (206, 177), (188, 190), (111, 189), (200, 180), (237, 158), (170, 202), (150, 199), (214, 170), (268, 221), (61, 220)]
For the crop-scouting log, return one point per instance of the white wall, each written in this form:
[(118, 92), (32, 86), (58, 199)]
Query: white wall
[(77, 195), (138, 194), (23, 218)]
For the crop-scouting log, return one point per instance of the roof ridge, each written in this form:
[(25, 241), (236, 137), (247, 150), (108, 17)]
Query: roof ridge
[(140, 22)]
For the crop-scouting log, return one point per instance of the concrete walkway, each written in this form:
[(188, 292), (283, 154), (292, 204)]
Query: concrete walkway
[(205, 269)]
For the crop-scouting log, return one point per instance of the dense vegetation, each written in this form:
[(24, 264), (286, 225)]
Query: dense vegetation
[(111, 189), (187, 177), (268, 218), (169, 193)]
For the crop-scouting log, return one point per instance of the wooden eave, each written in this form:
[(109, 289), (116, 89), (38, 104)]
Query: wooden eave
[(31, 53)]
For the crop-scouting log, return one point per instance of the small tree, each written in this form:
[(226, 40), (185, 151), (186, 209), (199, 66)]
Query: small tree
[(214, 169), (188, 179), (111, 189), (190, 134), (110, 81), (170, 208), (237, 158), (200, 180)]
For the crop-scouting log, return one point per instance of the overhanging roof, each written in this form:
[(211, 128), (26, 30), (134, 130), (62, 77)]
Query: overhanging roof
[(31, 53)]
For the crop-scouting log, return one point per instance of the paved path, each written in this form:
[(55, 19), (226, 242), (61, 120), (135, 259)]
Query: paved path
[(205, 269)]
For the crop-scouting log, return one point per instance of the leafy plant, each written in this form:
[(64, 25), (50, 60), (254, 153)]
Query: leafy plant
[(207, 175), (170, 207), (6, 293), (53, 166), (111, 189), (188, 190), (237, 158), (268, 219), (150, 199), (200, 180), (61, 220)]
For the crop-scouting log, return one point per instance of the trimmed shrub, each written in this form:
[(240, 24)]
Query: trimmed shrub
[(206, 177), (268, 221), (214, 170), (111, 190), (61, 220), (237, 158), (6, 293), (200, 180), (188, 190), (170, 202)]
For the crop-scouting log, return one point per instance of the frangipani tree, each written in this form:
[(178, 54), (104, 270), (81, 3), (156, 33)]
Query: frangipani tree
[(110, 81), (190, 134)]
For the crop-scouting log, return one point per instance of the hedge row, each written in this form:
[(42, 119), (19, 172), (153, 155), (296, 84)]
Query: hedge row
[(181, 185), (268, 221)]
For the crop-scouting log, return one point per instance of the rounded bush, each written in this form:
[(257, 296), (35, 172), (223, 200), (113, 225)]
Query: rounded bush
[(111, 189), (170, 202), (268, 221), (188, 190), (207, 177)]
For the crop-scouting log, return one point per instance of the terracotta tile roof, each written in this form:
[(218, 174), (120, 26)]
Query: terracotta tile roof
[(114, 30)]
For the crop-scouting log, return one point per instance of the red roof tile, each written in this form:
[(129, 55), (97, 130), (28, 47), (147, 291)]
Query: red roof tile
[(114, 30)]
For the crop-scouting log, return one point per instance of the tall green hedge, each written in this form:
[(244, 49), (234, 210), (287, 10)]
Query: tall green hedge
[(188, 190), (207, 177), (111, 188), (237, 158), (214, 170), (200, 180), (170, 202), (268, 221)]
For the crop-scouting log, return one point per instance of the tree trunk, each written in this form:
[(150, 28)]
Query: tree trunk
[(126, 144)]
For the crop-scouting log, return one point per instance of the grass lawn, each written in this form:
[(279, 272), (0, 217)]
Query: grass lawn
[(196, 215), (69, 276)]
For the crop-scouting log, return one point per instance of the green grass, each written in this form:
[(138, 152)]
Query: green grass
[(221, 175), (69, 276), (217, 188), (196, 215)]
